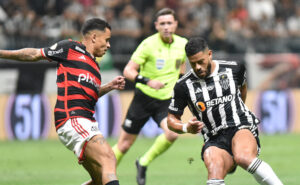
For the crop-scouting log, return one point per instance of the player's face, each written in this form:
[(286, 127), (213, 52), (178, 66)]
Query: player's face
[(166, 26), (102, 42), (201, 63)]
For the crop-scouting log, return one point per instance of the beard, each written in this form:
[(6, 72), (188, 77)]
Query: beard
[(207, 73)]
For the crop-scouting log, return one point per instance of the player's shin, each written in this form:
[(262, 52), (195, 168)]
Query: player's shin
[(263, 173)]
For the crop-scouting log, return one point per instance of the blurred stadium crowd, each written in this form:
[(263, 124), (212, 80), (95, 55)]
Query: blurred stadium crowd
[(234, 26)]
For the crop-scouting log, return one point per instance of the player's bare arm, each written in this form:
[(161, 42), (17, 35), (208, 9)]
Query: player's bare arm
[(25, 54), (243, 90), (193, 126), (118, 83)]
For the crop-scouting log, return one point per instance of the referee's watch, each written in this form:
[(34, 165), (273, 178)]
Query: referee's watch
[(141, 79)]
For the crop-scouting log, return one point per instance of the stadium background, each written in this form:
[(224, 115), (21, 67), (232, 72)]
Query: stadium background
[(264, 34)]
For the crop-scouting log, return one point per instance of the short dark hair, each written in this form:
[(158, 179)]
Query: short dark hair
[(165, 11), (94, 24), (195, 45)]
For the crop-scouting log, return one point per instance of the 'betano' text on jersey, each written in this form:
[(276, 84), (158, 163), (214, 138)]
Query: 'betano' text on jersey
[(215, 100), (78, 80)]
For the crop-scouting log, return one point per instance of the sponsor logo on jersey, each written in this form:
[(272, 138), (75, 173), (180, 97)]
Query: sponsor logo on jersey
[(94, 128), (55, 52), (201, 106), (79, 49), (88, 78), (219, 100)]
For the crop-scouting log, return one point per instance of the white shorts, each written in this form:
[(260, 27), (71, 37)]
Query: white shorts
[(75, 134)]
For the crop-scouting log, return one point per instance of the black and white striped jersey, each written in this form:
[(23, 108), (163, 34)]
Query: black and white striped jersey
[(215, 100)]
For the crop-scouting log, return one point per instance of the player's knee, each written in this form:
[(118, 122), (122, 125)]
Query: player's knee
[(243, 159), (171, 136), (124, 146)]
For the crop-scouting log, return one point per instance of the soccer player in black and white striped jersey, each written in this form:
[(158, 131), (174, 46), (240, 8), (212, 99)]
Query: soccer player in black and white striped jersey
[(215, 92)]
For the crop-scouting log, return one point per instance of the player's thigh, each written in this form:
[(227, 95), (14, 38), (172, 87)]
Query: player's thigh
[(244, 147), (99, 152), (218, 162), (100, 160)]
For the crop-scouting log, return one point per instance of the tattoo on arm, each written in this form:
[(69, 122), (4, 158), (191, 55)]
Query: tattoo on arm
[(26, 54), (100, 140)]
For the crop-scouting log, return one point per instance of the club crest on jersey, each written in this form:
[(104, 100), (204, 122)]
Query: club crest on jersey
[(160, 63), (224, 82), (201, 106)]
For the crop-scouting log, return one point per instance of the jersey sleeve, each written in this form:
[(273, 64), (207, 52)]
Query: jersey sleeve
[(57, 52), (141, 53), (179, 100)]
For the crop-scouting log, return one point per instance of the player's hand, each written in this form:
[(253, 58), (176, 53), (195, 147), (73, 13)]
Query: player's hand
[(194, 126), (155, 84), (118, 83)]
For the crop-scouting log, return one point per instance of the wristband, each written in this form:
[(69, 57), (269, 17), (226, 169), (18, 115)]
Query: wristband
[(184, 127), (141, 79)]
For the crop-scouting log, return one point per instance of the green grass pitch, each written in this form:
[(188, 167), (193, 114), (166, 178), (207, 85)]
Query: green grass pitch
[(48, 162)]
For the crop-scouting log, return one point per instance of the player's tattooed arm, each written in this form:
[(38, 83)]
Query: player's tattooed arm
[(25, 54)]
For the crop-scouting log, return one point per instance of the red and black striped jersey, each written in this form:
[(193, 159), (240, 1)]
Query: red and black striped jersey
[(78, 80)]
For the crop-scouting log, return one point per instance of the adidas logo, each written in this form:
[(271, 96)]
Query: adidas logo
[(198, 90), (82, 57)]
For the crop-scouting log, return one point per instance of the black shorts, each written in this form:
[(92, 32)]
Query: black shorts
[(141, 109), (223, 140)]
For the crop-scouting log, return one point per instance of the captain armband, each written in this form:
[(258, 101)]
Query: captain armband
[(141, 79)]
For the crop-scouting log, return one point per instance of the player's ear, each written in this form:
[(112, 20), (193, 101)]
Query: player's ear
[(93, 37), (176, 24)]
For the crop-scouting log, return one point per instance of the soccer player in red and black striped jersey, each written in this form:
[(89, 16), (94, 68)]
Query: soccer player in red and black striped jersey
[(79, 87), (215, 92)]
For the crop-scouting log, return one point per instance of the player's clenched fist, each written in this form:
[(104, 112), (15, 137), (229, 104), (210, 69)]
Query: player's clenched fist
[(119, 82), (194, 126)]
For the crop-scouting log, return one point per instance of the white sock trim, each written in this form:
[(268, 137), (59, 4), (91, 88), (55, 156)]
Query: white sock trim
[(254, 165), (215, 182)]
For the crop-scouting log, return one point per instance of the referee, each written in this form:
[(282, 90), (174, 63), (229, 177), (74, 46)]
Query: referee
[(155, 67), (215, 92)]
